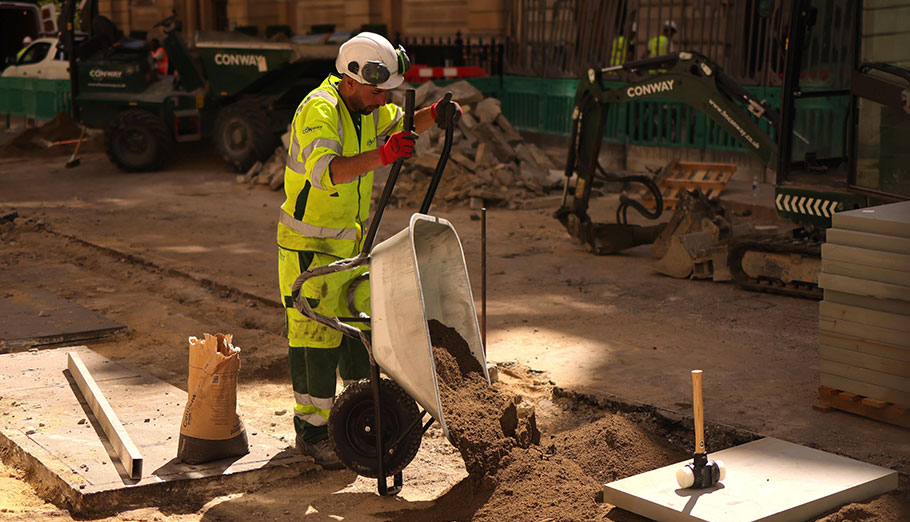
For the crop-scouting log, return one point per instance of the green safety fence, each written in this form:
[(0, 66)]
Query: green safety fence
[(544, 105), (33, 97)]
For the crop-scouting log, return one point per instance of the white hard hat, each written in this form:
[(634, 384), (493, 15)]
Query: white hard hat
[(670, 24), (27, 40), (370, 59)]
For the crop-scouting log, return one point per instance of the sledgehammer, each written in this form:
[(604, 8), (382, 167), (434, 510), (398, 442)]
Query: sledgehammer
[(701, 473)]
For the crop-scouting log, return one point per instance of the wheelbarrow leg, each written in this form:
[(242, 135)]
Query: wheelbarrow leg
[(384, 489)]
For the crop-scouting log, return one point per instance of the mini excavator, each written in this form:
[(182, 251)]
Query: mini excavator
[(701, 232)]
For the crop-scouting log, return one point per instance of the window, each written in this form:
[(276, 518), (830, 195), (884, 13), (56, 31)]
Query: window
[(35, 53)]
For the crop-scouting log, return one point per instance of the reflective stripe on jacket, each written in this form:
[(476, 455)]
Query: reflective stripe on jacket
[(318, 215), (618, 51)]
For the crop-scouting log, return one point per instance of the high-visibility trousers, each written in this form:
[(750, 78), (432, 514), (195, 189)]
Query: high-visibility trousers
[(316, 351)]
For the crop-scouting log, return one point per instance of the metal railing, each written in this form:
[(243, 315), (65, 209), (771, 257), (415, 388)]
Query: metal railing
[(563, 38)]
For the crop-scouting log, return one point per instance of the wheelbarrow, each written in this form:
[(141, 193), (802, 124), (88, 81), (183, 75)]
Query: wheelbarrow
[(376, 425)]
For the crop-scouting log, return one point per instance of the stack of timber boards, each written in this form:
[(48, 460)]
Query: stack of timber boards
[(864, 320)]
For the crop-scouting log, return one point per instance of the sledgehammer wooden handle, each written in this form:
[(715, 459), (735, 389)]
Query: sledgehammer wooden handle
[(698, 412)]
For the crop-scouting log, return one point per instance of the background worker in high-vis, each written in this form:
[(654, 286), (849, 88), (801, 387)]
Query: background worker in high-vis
[(341, 131)]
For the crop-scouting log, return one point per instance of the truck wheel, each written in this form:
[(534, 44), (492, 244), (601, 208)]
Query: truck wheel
[(352, 419), (138, 141), (243, 135)]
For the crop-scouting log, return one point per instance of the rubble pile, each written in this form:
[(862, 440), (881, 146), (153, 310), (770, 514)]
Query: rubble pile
[(489, 164)]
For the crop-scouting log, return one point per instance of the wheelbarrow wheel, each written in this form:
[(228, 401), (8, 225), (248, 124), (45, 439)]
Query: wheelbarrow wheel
[(351, 424)]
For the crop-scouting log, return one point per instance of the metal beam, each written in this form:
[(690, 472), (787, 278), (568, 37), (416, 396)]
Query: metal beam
[(118, 437)]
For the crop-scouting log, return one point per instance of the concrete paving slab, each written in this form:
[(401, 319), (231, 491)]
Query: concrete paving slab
[(864, 331), (865, 389), (38, 318), (863, 360), (892, 219), (49, 430), (852, 238), (862, 315), (867, 257), (858, 344), (899, 383), (769, 480), (869, 273), (858, 286), (894, 306)]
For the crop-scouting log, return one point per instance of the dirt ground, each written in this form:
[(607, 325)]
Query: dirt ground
[(600, 347)]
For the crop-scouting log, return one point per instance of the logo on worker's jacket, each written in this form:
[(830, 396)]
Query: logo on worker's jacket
[(100, 74), (650, 88), (254, 60), (307, 130)]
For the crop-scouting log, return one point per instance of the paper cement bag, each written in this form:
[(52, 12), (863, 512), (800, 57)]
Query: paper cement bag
[(211, 429)]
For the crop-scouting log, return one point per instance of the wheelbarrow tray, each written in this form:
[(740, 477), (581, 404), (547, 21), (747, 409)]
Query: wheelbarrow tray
[(417, 275)]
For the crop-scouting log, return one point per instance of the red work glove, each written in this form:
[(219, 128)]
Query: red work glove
[(399, 146), (438, 111)]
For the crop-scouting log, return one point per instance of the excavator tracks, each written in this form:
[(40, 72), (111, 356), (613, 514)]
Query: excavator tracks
[(776, 264)]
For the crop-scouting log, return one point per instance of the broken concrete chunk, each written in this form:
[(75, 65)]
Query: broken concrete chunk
[(504, 175), (422, 94), (541, 157), (488, 110), (464, 147), (423, 145), (555, 178), (462, 160), (509, 132), (467, 121), (482, 156), (533, 173), (523, 154), (427, 161), (277, 180), (464, 93), (501, 150)]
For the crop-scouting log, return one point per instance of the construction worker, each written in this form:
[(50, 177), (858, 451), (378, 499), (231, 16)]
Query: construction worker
[(662, 43), (159, 57), (25, 43), (622, 50), (341, 131)]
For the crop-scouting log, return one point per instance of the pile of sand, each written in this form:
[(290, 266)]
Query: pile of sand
[(511, 475)]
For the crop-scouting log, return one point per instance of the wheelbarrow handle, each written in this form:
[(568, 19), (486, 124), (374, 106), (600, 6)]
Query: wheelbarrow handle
[(302, 306), (444, 156), (393, 175)]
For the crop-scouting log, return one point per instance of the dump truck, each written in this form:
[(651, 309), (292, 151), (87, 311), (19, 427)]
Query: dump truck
[(233, 89)]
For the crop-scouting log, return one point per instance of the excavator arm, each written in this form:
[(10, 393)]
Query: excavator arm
[(685, 76)]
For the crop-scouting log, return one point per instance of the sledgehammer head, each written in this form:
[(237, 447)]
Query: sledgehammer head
[(701, 473)]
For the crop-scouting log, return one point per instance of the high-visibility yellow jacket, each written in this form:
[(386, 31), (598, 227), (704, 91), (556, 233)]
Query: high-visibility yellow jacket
[(659, 45), (619, 51), (318, 215)]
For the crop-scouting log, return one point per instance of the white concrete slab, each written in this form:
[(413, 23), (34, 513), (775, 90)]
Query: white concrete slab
[(869, 273), (865, 287), (865, 389), (861, 345), (852, 238), (769, 480), (893, 306), (892, 219), (864, 256), (858, 314)]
